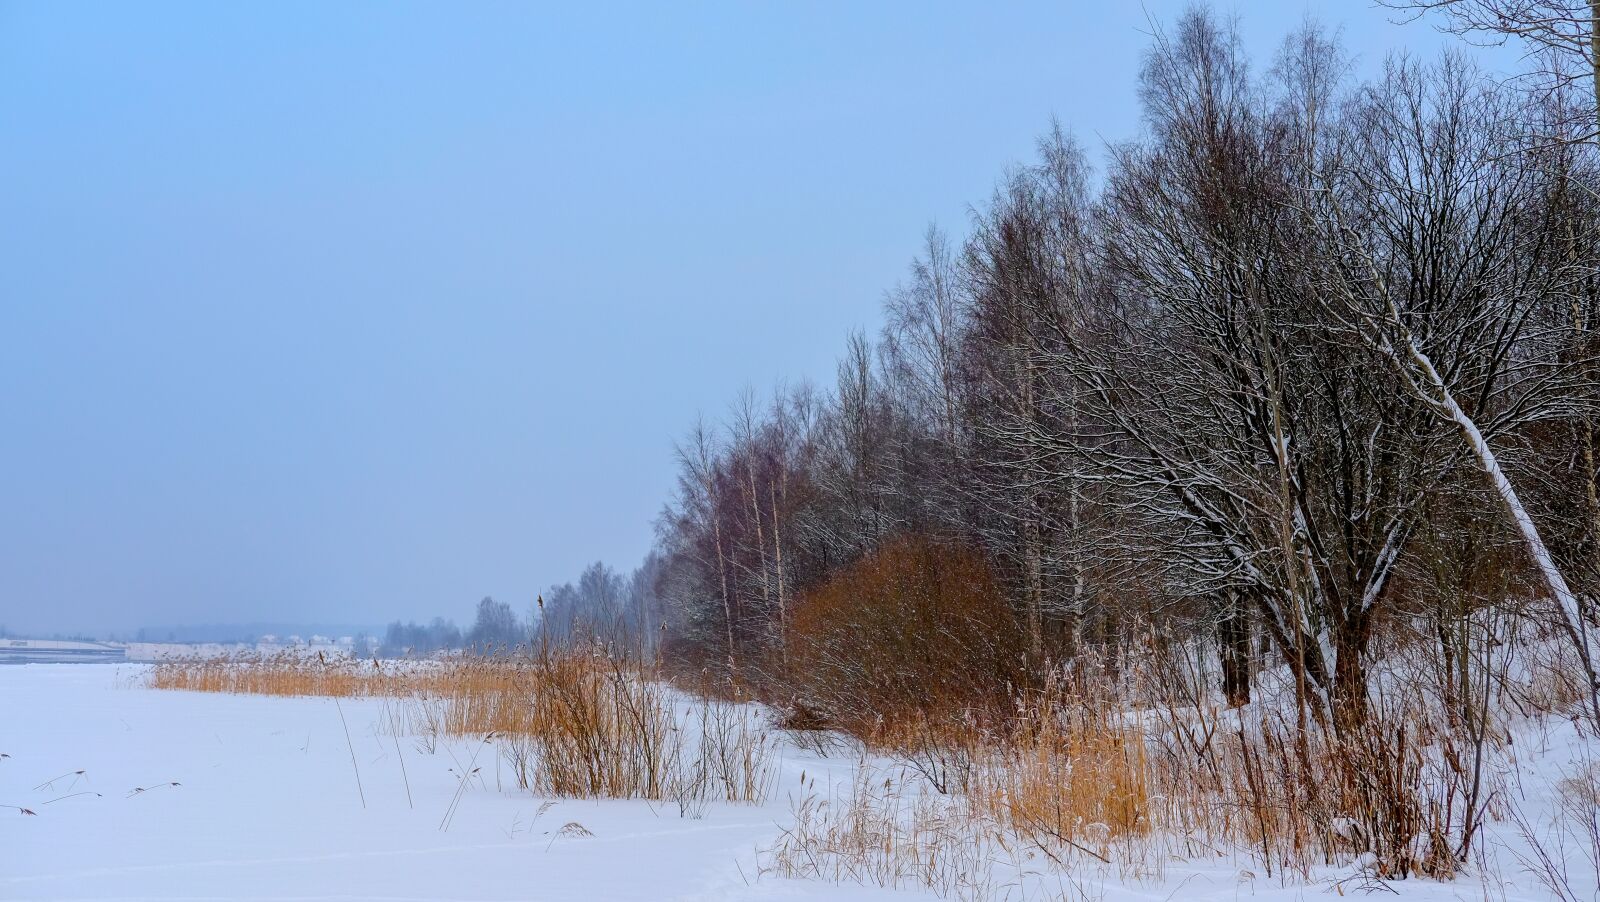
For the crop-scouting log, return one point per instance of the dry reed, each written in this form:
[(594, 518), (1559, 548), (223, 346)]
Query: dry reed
[(1101, 774), (570, 723)]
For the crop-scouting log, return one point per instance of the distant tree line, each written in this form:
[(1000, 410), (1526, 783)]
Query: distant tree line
[(495, 627), (411, 638), (603, 606)]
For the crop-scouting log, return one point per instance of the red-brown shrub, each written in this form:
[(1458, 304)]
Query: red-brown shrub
[(915, 630)]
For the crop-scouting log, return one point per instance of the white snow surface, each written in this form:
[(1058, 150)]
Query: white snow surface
[(267, 808)]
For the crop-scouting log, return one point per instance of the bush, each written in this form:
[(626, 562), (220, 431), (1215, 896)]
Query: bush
[(915, 630)]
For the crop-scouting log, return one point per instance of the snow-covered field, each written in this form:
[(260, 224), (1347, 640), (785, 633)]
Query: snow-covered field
[(203, 796), (267, 807)]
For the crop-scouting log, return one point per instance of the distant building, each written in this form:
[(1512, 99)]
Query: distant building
[(57, 651)]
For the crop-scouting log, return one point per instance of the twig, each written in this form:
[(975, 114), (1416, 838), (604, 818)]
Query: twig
[(86, 792), (47, 784), (352, 747), (402, 757)]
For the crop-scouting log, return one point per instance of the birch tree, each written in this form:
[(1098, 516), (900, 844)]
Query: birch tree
[(1442, 261)]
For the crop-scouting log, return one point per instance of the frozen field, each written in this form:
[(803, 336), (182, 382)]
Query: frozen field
[(266, 806)]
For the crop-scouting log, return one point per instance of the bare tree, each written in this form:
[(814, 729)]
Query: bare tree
[(1421, 182), (1562, 37)]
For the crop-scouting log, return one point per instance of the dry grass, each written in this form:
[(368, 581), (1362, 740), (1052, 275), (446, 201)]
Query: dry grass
[(571, 724), (1096, 776), (1102, 771), (294, 675), (894, 834), (1072, 778)]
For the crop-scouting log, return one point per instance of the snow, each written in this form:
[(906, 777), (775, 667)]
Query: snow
[(20, 651), (267, 807)]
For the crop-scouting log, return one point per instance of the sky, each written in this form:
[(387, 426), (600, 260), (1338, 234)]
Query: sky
[(347, 312)]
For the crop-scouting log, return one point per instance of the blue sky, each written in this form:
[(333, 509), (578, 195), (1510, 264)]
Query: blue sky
[(341, 312)]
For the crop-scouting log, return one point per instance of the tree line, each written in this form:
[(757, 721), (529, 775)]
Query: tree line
[(1307, 368), (601, 605)]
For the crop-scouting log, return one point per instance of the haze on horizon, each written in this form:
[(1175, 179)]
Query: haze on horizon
[(347, 313)]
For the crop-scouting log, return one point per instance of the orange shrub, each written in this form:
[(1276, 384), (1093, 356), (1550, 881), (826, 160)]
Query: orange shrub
[(913, 631)]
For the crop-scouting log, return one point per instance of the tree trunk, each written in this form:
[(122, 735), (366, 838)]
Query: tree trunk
[(1350, 677), (727, 601), (1594, 59), (1573, 620), (1234, 650)]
